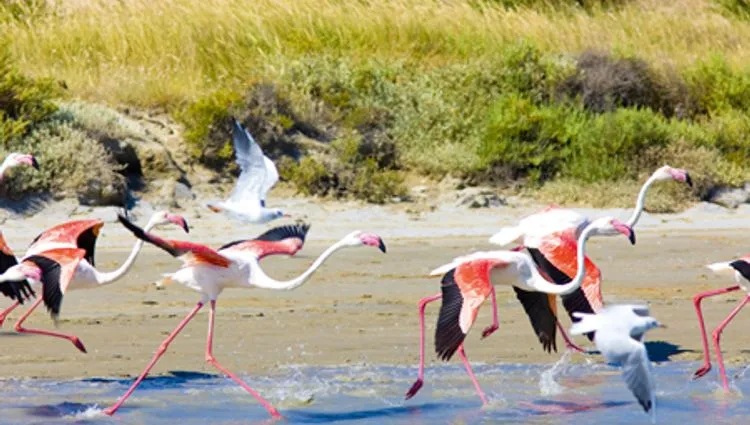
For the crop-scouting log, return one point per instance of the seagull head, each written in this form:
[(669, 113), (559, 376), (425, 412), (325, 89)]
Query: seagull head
[(275, 213)]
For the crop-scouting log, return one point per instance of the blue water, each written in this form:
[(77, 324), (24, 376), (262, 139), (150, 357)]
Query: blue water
[(528, 394)]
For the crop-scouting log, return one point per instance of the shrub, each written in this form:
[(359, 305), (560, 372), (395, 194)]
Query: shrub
[(736, 8), (310, 177), (716, 86)]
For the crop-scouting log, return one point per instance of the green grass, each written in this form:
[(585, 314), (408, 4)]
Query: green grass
[(544, 92)]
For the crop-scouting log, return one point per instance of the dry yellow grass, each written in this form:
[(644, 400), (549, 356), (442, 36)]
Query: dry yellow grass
[(167, 51)]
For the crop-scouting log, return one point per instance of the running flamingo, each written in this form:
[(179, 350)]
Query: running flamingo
[(209, 272), (549, 237), (62, 259), (469, 280), (15, 159), (741, 269)]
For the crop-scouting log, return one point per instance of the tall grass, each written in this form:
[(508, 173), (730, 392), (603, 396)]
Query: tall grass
[(164, 52)]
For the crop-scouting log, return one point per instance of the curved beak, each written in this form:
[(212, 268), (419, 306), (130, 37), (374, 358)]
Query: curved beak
[(625, 230), (179, 221), (34, 163), (381, 246), (688, 180)]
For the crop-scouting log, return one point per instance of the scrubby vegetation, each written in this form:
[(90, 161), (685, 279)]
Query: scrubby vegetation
[(568, 97)]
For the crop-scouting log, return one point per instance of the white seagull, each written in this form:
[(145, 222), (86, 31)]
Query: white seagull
[(619, 337), (247, 203)]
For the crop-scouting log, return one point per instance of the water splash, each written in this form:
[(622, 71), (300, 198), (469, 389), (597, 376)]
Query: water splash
[(547, 380)]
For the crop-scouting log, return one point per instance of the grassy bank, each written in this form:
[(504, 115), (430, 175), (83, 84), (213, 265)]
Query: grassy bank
[(348, 95)]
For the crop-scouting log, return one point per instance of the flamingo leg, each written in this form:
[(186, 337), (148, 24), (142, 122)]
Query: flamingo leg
[(160, 352), (495, 321), (4, 314), (717, 335), (474, 381), (697, 303), (19, 328), (210, 359), (569, 344), (420, 378)]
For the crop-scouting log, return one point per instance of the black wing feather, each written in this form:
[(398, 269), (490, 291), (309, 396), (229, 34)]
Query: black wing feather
[(543, 320), (51, 292), (277, 234), (448, 334), (87, 242)]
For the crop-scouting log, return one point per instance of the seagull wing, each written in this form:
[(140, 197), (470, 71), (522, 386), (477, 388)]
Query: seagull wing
[(252, 162), (272, 176), (637, 375)]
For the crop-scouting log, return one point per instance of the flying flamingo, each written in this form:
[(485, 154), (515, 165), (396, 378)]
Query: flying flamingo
[(741, 269), (15, 159), (469, 280), (619, 337), (248, 200), (549, 237), (209, 272), (62, 259)]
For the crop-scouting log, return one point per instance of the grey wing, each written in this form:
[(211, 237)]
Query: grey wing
[(272, 176), (251, 160), (638, 377)]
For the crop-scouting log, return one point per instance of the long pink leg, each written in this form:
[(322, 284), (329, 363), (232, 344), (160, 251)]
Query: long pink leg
[(462, 354), (19, 328), (6, 312), (210, 359), (570, 345), (717, 335), (160, 352), (495, 321), (697, 303), (420, 378)]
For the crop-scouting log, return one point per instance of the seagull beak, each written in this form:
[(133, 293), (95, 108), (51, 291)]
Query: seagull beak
[(381, 246), (661, 326), (286, 215)]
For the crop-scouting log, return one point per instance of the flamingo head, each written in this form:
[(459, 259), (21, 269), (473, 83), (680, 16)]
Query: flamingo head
[(610, 226), (164, 217), (15, 159), (22, 271), (358, 238), (668, 173)]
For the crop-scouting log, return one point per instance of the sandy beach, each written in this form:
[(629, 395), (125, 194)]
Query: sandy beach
[(361, 307)]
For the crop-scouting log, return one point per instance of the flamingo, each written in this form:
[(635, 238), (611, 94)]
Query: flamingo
[(15, 159), (619, 337), (549, 236), (247, 203), (468, 281), (741, 270), (209, 272), (62, 259)]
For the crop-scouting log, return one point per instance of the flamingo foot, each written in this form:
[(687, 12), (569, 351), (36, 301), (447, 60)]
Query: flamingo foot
[(109, 411), (414, 389), (489, 330), (702, 371)]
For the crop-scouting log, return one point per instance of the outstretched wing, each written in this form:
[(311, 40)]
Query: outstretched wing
[(79, 233), (258, 172), (637, 375), (538, 307), (58, 268), (280, 240)]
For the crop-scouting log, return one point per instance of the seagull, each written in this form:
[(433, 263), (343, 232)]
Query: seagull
[(247, 203), (619, 337)]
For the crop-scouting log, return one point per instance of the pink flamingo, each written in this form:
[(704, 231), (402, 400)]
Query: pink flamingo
[(741, 269), (234, 265), (541, 234), (468, 281), (62, 259), (15, 159)]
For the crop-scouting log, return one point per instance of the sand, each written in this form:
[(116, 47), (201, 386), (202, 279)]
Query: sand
[(362, 305)]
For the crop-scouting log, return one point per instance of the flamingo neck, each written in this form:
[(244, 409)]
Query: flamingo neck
[(104, 278), (262, 280), (544, 285), (641, 201)]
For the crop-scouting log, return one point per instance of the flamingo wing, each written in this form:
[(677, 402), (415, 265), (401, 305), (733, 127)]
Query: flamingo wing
[(58, 268), (279, 240), (464, 290), (19, 290), (191, 253), (538, 307), (258, 174), (79, 233)]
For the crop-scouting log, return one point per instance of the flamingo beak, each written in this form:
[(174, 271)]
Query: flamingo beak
[(370, 239), (688, 180), (625, 230), (381, 246), (179, 221), (34, 163), (681, 176)]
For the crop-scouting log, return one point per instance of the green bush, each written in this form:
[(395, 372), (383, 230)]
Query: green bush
[(716, 86), (736, 8), (23, 101)]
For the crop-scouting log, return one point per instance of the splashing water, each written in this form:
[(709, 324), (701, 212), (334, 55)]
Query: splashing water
[(367, 395)]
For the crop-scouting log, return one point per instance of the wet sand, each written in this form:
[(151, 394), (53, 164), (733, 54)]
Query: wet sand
[(361, 307)]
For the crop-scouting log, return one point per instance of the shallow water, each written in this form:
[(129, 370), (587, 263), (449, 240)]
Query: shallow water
[(529, 394)]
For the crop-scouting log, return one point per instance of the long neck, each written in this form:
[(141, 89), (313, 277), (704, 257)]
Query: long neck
[(640, 203), (262, 280), (104, 278), (544, 285)]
